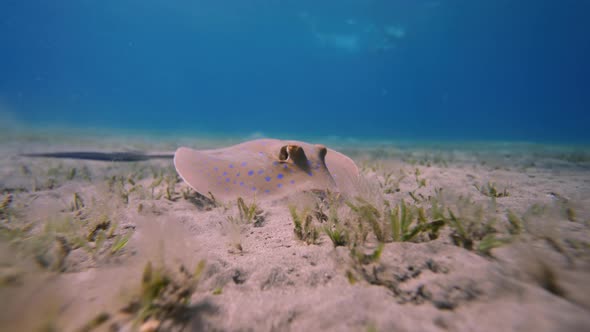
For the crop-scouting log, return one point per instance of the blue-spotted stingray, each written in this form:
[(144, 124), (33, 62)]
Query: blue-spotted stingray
[(266, 168), (263, 168)]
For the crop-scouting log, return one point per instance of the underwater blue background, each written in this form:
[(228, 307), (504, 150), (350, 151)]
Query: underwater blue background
[(383, 69)]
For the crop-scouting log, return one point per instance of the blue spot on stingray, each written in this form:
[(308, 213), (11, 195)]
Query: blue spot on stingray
[(253, 188), (241, 184), (286, 167), (216, 169), (260, 171), (250, 173), (267, 191), (227, 180), (279, 185), (267, 179), (280, 176), (231, 165), (260, 153), (238, 174), (275, 163), (310, 173), (224, 173), (244, 163), (292, 182)]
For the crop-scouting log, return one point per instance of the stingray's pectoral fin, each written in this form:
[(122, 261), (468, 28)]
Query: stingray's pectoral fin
[(186, 162)]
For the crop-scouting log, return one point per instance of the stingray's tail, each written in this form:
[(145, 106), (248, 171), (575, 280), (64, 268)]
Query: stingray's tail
[(100, 156)]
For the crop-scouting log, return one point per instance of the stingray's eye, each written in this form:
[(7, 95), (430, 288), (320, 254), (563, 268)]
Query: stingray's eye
[(292, 153), (322, 151), (284, 153)]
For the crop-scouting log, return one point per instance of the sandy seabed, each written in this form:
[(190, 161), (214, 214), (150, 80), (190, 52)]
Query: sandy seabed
[(88, 245)]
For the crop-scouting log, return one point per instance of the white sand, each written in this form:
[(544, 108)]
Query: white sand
[(277, 282)]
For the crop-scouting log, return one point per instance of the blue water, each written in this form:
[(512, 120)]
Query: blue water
[(421, 69)]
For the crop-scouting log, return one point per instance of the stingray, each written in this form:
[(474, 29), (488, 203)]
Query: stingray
[(263, 168)]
